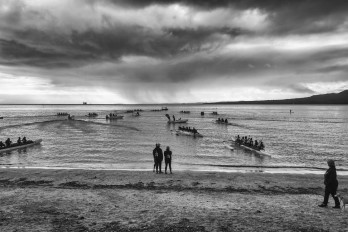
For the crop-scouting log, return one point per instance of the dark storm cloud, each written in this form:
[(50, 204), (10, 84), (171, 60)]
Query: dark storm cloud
[(114, 40), (288, 17), (109, 43), (15, 53)]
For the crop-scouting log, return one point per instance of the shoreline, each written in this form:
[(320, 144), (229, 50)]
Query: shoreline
[(233, 169), (109, 200)]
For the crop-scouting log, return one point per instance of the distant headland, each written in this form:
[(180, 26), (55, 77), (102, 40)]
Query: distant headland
[(331, 98)]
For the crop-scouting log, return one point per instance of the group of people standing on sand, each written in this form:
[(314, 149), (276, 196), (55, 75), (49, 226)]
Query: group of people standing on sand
[(158, 158)]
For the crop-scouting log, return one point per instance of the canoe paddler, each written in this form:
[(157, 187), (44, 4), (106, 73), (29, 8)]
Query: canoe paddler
[(8, 142), (262, 146)]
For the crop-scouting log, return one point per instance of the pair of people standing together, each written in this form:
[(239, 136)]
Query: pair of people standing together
[(158, 158)]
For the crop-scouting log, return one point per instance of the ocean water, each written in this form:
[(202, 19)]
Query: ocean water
[(298, 142)]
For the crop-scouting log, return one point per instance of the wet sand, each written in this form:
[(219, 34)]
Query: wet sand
[(91, 200)]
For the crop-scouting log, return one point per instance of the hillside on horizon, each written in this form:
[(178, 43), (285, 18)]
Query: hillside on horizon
[(330, 98)]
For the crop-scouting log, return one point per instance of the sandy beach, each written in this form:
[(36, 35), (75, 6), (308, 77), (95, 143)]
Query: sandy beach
[(93, 200)]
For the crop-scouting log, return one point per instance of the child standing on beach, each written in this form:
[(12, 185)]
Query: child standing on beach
[(168, 159)]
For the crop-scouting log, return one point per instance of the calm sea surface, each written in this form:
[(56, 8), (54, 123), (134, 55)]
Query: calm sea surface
[(300, 142)]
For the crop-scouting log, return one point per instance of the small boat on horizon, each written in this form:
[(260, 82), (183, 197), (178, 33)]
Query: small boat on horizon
[(108, 117), (92, 115), (178, 121), (223, 123)]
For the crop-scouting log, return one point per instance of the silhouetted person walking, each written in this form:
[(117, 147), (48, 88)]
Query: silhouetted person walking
[(168, 159), (158, 156), (331, 184)]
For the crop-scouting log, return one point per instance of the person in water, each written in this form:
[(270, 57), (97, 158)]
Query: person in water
[(173, 118), (331, 184), (226, 121), (19, 141), (24, 140), (158, 156), (194, 130), (2, 144), (168, 160)]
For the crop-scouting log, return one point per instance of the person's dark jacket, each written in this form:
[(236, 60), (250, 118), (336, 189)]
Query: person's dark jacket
[(160, 153), (330, 178), (168, 155)]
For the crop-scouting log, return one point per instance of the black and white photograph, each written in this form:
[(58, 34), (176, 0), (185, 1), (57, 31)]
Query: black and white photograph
[(173, 115)]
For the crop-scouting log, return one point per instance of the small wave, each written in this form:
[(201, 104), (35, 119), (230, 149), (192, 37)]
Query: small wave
[(31, 116), (105, 124), (29, 124), (60, 120), (265, 166), (305, 120)]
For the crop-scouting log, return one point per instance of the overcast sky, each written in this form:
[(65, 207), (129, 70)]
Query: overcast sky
[(153, 51)]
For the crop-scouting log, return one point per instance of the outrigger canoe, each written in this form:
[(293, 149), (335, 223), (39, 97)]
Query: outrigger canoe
[(178, 121), (36, 142), (181, 132), (223, 123), (91, 115), (114, 117), (251, 149)]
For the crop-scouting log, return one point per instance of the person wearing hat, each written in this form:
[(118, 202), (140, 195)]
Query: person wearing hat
[(158, 157), (331, 184)]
